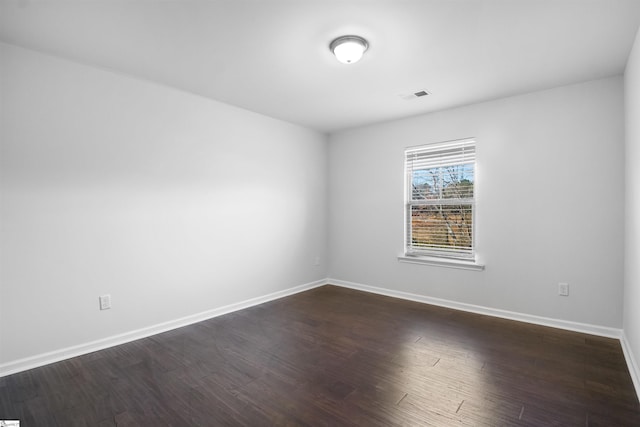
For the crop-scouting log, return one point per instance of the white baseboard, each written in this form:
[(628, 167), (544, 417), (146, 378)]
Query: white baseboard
[(634, 371), (511, 315), (89, 347)]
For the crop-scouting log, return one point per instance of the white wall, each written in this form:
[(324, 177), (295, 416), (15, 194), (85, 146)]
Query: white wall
[(172, 203), (550, 203), (632, 212)]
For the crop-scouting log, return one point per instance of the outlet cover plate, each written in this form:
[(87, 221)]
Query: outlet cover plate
[(563, 289), (105, 302)]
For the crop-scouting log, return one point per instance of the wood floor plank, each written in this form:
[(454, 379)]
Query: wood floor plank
[(334, 356)]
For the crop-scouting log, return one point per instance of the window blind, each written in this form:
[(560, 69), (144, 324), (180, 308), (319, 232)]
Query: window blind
[(440, 199), (442, 154)]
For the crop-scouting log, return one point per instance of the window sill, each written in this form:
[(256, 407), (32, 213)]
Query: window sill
[(442, 262)]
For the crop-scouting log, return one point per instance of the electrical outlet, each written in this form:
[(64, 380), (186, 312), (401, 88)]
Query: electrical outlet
[(563, 289), (105, 302), (317, 261)]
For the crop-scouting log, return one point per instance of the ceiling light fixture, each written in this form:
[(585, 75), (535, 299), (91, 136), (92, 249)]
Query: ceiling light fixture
[(349, 49)]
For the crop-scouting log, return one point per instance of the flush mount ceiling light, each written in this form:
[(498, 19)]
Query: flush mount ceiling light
[(349, 49)]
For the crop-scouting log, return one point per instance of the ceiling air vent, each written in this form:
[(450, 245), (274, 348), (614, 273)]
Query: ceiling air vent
[(414, 95)]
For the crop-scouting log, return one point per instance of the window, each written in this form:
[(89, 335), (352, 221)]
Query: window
[(440, 200)]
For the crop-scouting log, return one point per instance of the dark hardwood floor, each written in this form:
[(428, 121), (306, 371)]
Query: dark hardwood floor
[(332, 357)]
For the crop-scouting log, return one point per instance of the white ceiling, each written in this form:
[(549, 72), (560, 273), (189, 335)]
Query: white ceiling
[(272, 56)]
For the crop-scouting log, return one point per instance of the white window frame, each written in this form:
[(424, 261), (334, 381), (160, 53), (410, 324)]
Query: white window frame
[(455, 152)]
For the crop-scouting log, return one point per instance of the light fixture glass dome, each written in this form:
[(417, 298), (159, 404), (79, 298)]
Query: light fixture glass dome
[(349, 49)]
